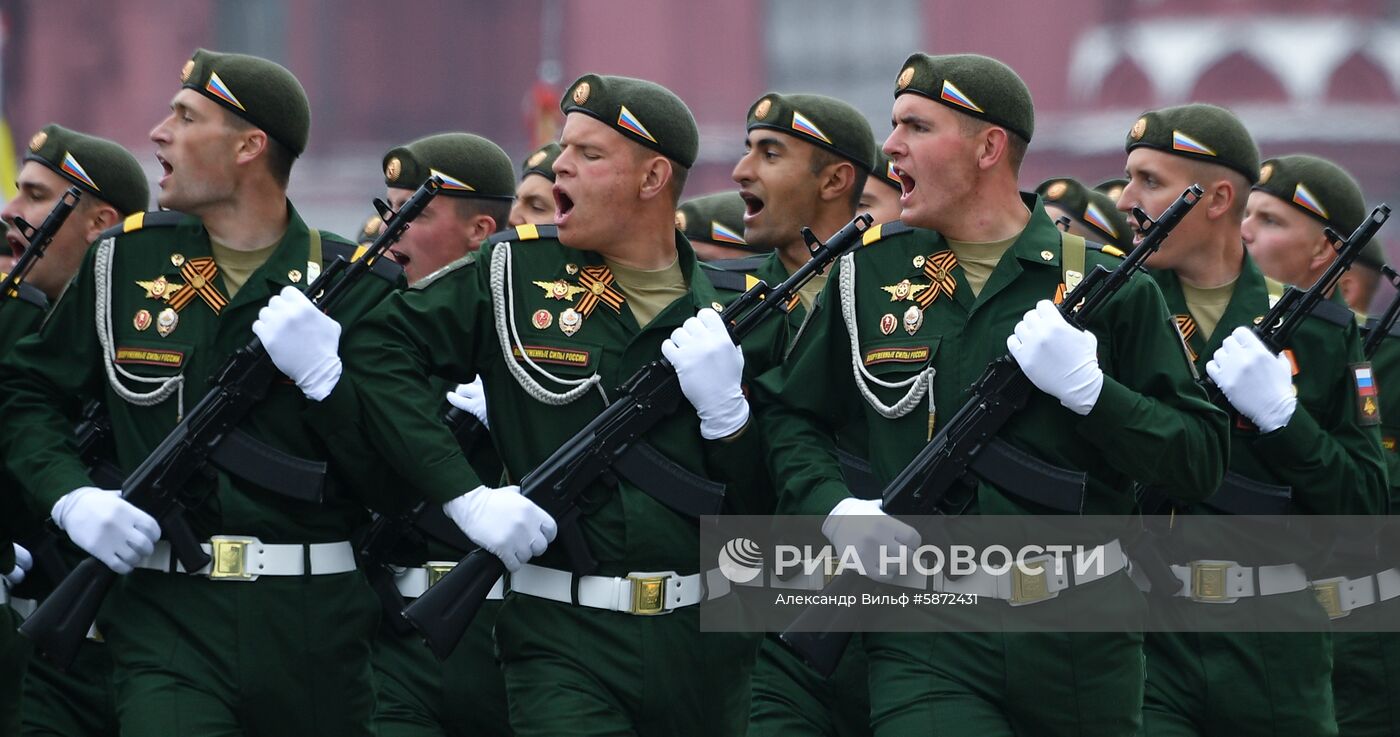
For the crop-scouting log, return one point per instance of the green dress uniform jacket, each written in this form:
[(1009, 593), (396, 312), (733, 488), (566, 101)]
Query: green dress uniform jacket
[(281, 655), (450, 325), (1151, 423)]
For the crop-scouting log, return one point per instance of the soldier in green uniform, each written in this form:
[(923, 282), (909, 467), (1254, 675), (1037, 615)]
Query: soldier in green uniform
[(909, 334), (714, 225), (534, 196), (76, 702), (1089, 214), (274, 637), (417, 695), (552, 329), (882, 202), (1363, 280), (807, 160), (1297, 195), (1299, 435)]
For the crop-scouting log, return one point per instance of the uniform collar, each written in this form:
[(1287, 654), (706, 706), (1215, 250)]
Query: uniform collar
[(288, 259)]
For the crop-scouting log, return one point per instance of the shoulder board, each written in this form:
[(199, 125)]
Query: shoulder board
[(729, 281), (333, 248), (143, 221), (1104, 248), (30, 293), (525, 232), (882, 231), (1336, 314), (743, 265), (428, 280)]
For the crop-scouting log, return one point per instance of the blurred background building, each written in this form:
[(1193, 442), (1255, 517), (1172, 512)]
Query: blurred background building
[(1321, 76)]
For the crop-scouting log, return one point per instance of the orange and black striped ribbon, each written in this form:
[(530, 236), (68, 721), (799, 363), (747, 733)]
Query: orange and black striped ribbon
[(939, 270), (1187, 325), (598, 281), (199, 271)]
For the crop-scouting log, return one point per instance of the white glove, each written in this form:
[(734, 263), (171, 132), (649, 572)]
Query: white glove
[(470, 398), (711, 370), (1258, 383), (302, 341), (107, 526), (506, 524), (23, 562), (1059, 359), (861, 525)]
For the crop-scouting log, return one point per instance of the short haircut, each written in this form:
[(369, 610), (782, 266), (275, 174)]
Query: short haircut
[(1205, 172), (1015, 145), (822, 158), (496, 209), (279, 157)]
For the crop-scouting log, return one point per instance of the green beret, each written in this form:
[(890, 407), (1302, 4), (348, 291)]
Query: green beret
[(974, 85), (1201, 132), (1316, 186), (470, 166), (99, 167), (261, 92), (1112, 188), (884, 171), (715, 218), (541, 162), (643, 111), (822, 121), (1092, 209), (369, 230)]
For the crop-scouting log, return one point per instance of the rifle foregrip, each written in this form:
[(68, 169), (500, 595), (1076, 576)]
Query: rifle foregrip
[(817, 635), (443, 613), (60, 624)]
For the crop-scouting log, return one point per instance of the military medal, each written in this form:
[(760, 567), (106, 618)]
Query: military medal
[(166, 322), (159, 288), (888, 323), (913, 319), (177, 260), (904, 290), (939, 270), (570, 321), (559, 289), (571, 269), (142, 320), (919, 261), (542, 319)]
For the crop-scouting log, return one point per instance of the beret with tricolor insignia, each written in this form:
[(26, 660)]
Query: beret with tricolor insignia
[(642, 111), (822, 121), (541, 161), (1198, 131), (1316, 186), (715, 218), (884, 170), (1091, 209), (261, 92), (99, 167), (1112, 188), (469, 165), (974, 85)]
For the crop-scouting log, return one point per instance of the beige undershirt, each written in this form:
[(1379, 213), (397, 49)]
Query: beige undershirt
[(236, 266), (979, 260), (649, 291), (1207, 305), (809, 291)]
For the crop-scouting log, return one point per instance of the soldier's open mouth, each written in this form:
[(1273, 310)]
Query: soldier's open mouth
[(563, 204), (752, 205), (399, 257), (166, 169), (17, 246), (906, 182)]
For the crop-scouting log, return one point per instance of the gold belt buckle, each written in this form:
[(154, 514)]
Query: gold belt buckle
[(229, 558), (1209, 581), (437, 569), (648, 594), (1329, 594), (1029, 588)]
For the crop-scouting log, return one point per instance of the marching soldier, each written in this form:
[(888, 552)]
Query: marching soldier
[(1087, 213), (714, 225), (807, 161), (881, 202), (415, 694), (274, 636), (552, 329), (1300, 432), (76, 702), (922, 319), (534, 196)]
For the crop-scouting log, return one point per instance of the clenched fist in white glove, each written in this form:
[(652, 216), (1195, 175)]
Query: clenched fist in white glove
[(107, 526), (23, 562), (711, 370), (302, 341), (1060, 359), (861, 525), (1257, 382), (506, 524), (470, 398)]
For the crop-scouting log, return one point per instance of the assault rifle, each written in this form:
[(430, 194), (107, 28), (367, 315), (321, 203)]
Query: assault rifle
[(610, 442), (160, 486)]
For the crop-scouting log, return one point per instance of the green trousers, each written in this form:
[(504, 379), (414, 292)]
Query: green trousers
[(1003, 683), (418, 696), (1239, 683), (1366, 673), (575, 671), (14, 654), (789, 698), (79, 702), (276, 656)]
